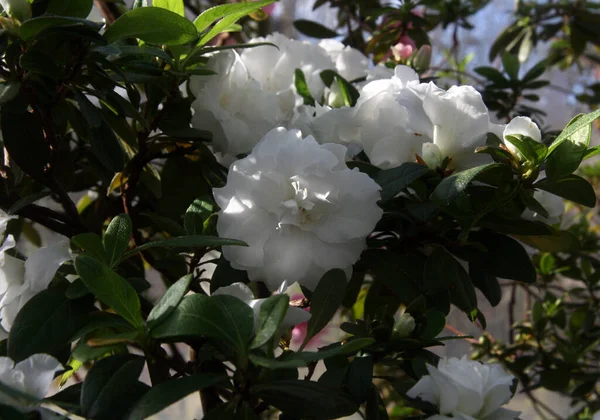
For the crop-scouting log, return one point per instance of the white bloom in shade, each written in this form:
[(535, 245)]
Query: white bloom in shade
[(21, 280), (596, 416), (554, 205), (31, 376), (274, 68), (520, 126), (404, 326), (4, 219), (465, 389), (294, 316), (232, 105), (432, 155), (460, 122), (349, 62), (298, 207)]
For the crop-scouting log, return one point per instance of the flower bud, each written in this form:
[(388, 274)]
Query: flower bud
[(422, 59), (432, 155), (404, 326), (18, 9)]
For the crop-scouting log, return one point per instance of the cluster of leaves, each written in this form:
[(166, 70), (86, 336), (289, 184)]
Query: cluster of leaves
[(556, 346)]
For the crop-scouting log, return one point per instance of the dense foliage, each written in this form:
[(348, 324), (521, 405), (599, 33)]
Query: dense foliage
[(211, 196)]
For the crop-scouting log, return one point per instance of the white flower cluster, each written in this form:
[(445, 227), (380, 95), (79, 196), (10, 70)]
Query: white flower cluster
[(292, 199), (253, 92), (467, 390)]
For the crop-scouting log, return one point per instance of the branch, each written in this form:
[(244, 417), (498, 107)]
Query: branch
[(110, 11)]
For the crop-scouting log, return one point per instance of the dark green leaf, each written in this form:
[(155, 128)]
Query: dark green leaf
[(360, 376), (271, 314), (488, 285), (111, 387), (394, 180), (510, 63), (532, 150), (169, 301), (46, 323), (72, 8), (116, 238), (189, 242), (455, 185), (167, 393), (326, 299), (222, 317), (106, 147), (435, 322), (226, 275), (28, 199), (35, 26), (153, 25), (375, 409), (314, 29), (9, 91), (558, 241), (302, 87), (491, 74), (110, 288), (92, 244), (572, 187), (306, 399)]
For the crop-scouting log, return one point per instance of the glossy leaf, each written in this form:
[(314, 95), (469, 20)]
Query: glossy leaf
[(271, 315), (116, 238), (169, 301), (314, 29)]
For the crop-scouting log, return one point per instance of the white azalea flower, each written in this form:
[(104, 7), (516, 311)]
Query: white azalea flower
[(4, 219), (404, 325), (465, 389), (523, 126), (294, 316), (274, 68), (21, 280), (596, 416), (554, 205), (298, 207), (233, 106), (460, 124), (32, 376), (350, 63)]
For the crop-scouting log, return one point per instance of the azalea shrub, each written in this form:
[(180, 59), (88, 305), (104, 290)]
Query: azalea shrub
[(212, 210)]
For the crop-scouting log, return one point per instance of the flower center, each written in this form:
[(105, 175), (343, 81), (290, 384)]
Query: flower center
[(302, 208)]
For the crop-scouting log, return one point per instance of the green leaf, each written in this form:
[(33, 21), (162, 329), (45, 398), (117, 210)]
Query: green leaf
[(301, 359), (153, 25), (559, 241), (221, 317), (111, 387), (487, 283), (572, 187), (305, 399), (189, 242), (591, 152), (435, 322), (271, 315), (462, 292), (314, 29), (196, 217), (579, 122), (169, 301), (349, 92), (455, 185), (503, 257), (535, 152), (225, 275), (375, 409), (167, 393), (9, 91), (326, 299), (116, 238), (46, 323), (110, 288), (302, 87), (106, 147), (360, 376), (228, 13), (175, 6), (35, 26), (92, 244), (72, 8), (27, 200), (569, 154), (511, 65), (394, 180), (491, 74)]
